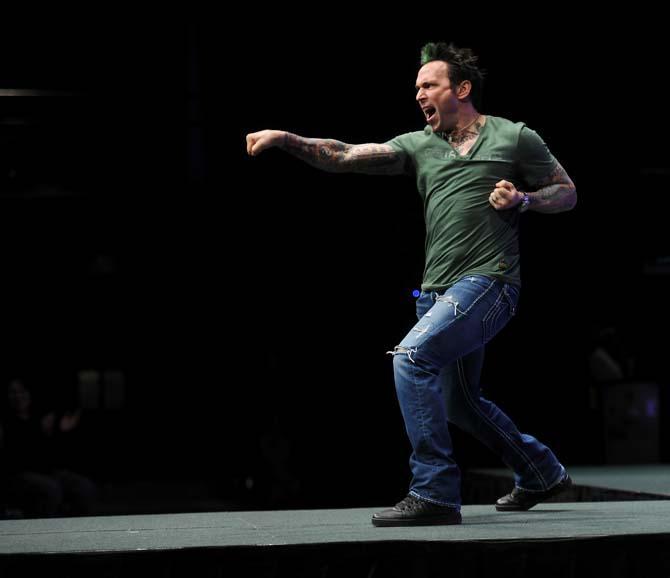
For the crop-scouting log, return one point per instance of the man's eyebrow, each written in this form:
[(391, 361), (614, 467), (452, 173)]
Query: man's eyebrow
[(424, 83)]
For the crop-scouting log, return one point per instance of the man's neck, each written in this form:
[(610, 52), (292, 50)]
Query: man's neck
[(465, 118)]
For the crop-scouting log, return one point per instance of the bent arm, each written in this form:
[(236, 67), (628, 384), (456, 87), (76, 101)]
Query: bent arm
[(331, 155), (554, 194)]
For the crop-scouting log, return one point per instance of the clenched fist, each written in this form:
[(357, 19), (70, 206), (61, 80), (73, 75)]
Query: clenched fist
[(505, 196), (257, 142)]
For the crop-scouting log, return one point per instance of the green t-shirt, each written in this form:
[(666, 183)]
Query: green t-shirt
[(465, 235)]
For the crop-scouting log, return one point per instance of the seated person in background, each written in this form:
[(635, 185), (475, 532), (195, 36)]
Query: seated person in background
[(33, 478)]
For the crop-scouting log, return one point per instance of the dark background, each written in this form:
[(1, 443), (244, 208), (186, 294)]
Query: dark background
[(249, 303)]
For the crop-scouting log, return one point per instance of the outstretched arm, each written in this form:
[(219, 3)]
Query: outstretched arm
[(555, 194), (330, 155)]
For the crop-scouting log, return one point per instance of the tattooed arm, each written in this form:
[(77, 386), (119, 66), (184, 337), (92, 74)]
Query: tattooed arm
[(331, 155), (555, 194)]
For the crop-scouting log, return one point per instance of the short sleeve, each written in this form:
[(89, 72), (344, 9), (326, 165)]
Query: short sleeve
[(403, 145), (535, 161)]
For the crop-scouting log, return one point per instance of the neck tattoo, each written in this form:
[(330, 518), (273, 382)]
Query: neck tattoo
[(458, 136)]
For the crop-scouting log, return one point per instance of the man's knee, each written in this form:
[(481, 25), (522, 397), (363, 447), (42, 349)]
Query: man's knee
[(403, 354)]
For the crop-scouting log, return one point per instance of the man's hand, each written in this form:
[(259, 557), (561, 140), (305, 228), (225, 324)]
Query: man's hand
[(257, 142), (505, 196)]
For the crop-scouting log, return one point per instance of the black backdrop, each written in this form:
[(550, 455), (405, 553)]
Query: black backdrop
[(253, 300)]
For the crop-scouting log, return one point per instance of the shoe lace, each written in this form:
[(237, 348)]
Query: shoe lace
[(516, 491), (408, 503)]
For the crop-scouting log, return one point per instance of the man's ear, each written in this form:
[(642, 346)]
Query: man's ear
[(464, 89)]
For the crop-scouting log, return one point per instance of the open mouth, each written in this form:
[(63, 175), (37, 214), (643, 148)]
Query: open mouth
[(429, 112)]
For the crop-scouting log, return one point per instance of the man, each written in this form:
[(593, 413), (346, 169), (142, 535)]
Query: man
[(476, 174)]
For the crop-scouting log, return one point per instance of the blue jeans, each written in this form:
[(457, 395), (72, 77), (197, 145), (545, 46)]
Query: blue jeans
[(437, 367)]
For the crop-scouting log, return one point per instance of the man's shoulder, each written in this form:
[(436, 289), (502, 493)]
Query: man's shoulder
[(502, 123), (409, 141), (414, 135)]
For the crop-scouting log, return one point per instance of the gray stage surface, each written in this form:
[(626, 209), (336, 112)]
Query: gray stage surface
[(116, 534)]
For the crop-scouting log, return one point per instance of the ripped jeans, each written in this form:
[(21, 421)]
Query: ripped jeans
[(437, 367)]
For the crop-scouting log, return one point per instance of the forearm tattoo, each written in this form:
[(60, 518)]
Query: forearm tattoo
[(338, 157), (554, 194)]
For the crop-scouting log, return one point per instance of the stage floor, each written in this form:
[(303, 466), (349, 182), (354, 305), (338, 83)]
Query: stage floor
[(644, 479), (116, 534)]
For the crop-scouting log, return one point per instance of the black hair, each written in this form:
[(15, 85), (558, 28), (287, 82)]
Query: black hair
[(462, 65)]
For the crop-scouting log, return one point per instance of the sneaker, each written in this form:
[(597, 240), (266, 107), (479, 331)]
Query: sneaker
[(413, 511), (521, 500)]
